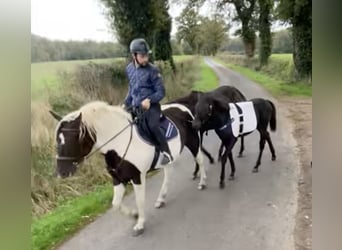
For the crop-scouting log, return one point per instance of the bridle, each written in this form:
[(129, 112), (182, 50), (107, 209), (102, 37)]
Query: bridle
[(78, 160)]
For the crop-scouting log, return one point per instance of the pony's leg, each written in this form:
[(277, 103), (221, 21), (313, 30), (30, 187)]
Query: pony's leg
[(139, 190), (232, 166), (219, 157), (223, 164), (261, 149), (242, 147), (163, 191), (119, 191), (194, 175), (199, 162), (270, 144), (207, 154)]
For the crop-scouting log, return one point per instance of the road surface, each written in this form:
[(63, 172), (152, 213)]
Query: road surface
[(256, 211)]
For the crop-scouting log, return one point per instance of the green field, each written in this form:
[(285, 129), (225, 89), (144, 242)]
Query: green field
[(45, 74)]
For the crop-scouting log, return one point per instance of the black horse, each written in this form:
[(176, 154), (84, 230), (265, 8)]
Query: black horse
[(229, 94), (213, 112)]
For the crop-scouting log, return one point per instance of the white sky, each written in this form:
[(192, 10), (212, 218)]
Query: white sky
[(80, 19)]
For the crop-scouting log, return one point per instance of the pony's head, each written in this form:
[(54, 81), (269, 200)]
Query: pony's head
[(74, 141), (77, 133), (208, 109)]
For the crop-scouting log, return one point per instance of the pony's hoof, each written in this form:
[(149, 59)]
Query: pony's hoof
[(137, 232), (240, 155), (159, 204), (202, 186), (211, 161), (274, 158), (255, 170), (194, 177), (222, 185), (231, 178)]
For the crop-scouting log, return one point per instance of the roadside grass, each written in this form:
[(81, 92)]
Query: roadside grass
[(207, 80), (275, 86)]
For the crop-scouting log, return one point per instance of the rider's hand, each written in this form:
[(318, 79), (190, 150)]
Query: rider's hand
[(146, 104)]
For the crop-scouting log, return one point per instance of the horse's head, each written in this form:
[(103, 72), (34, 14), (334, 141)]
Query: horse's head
[(208, 110), (74, 142)]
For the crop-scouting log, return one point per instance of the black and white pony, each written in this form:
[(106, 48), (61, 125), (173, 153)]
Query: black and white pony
[(229, 120), (98, 126), (228, 94)]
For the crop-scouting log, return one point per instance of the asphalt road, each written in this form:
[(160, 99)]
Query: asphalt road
[(255, 211)]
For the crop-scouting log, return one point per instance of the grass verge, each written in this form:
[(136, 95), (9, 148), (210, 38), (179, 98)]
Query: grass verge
[(274, 86), (51, 229), (207, 79)]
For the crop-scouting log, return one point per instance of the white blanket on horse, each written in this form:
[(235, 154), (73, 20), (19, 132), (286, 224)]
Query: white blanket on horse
[(249, 122)]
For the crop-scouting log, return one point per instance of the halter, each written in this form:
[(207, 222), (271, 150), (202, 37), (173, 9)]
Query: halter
[(72, 158)]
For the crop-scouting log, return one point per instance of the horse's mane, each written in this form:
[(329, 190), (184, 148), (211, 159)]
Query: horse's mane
[(90, 113)]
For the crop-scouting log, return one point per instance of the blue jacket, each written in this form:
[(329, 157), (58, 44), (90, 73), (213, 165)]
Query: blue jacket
[(144, 82)]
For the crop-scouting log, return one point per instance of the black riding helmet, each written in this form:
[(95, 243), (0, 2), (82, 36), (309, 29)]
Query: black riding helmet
[(140, 46)]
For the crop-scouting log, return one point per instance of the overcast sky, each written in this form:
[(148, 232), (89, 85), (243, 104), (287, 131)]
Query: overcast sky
[(79, 19)]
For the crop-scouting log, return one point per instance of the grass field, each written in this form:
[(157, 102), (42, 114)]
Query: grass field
[(45, 74)]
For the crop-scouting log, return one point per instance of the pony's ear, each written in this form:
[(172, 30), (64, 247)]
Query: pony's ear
[(222, 104), (55, 115), (79, 118)]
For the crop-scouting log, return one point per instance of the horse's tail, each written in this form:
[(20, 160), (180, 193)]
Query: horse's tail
[(273, 121)]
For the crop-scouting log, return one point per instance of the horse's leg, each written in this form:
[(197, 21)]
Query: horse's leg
[(139, 190), (207, 154), (270, 144), (193, 143), (203, 176), (232, 166), (219, 157), (223, 164), (163, 191), (242, 147), (119, 191), (261, 149)]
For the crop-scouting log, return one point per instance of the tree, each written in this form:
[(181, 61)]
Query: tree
[(265, 31), (188, 27), (213, 33), (299, 14)]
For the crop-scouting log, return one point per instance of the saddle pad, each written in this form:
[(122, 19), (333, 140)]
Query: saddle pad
[(168, 128), (243, 118)]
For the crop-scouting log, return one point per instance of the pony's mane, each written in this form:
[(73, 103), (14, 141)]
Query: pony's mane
[(90, 111)]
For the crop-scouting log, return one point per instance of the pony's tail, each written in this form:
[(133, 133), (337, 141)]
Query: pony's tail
[(273, 121)]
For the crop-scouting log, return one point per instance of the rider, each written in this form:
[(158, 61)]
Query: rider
[(145, 91)]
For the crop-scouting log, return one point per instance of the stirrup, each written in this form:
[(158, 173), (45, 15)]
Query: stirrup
[(167, 158)]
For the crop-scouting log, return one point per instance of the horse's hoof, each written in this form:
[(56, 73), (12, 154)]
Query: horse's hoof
[(255, 170), (159, 204), (137, 232), (211, 161), (201, 187), (194, 177), (222, 185), (274, 158), (231, 178), (240, 155)]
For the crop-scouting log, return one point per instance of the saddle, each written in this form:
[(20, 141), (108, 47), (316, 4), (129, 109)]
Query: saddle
[(167, 127)]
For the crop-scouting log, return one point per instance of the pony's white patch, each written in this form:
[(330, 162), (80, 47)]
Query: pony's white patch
[(179, 106), (62, 138), (249, 117)]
